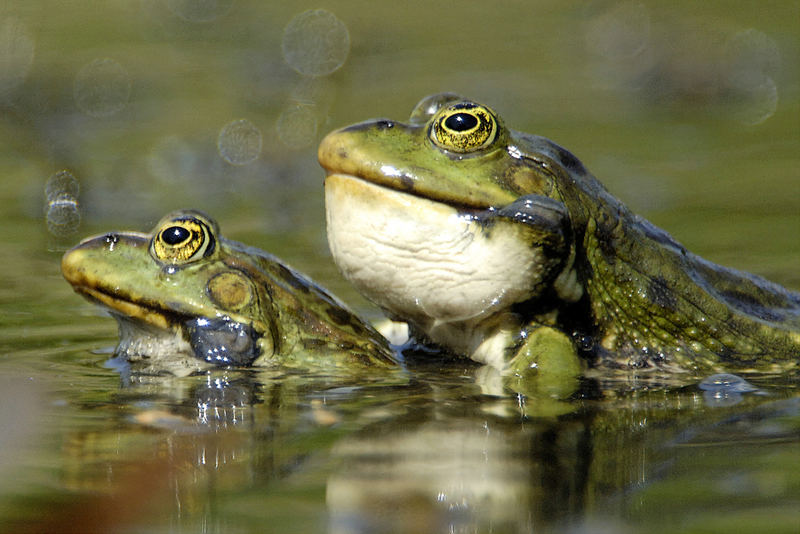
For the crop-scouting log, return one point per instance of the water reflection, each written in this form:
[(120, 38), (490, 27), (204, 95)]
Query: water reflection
[(439, 471), (408, 452)]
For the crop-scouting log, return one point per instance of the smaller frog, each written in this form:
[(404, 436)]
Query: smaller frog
[(187, 298)]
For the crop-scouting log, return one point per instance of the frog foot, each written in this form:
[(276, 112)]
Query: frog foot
[(545, 364)]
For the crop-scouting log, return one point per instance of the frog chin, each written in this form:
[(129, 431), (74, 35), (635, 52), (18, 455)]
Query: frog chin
[(424, 260)]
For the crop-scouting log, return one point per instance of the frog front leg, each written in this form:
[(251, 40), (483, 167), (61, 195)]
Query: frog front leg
[(543, 357)]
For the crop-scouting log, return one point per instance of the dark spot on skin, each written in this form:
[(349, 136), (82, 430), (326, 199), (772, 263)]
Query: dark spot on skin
[(291, 279), (384, 124), (606, 240), (342, 153), (358, 329), (659, 293), (586, 268), (568, 160), (750, 305), (726, 354), (339, 316), (407, 183)]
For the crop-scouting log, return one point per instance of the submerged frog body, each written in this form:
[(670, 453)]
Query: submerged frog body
[(499, 245), (183, 295)]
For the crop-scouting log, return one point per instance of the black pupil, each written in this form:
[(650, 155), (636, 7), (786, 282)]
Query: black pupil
[(175, 235), (460, 122)]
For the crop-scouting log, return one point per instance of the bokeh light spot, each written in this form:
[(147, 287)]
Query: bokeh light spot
[(315, 43), (63, 216), (102, 87), (239, 142), (297, 126), (61, 183)]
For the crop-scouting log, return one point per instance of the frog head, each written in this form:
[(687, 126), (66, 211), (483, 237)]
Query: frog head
[(452, 150)]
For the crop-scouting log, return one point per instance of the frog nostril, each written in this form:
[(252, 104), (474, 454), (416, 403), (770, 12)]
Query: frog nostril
[(384, 124), (111, 240)]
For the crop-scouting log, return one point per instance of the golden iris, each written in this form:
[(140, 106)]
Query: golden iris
[(182, 240), (464, 127)]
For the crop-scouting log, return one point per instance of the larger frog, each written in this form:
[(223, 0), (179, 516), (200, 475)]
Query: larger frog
[(500, 246), (186, 297)]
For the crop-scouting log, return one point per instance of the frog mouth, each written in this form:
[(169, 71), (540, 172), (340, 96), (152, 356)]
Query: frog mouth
[(129, 309), (389, 188)]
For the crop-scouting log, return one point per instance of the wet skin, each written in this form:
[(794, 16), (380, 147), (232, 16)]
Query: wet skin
[(184, 295), (500, 246)]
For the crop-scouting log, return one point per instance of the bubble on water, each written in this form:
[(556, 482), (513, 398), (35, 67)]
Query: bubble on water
[(315, 43), (239, 142), (63, 216), (16, 54), (726, 382), (297, 126), (199, 10), (102, 87), (61, 183), (724, 389)]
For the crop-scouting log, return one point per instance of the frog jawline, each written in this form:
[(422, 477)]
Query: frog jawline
[(148, 338), (409, 187), (129, 309)]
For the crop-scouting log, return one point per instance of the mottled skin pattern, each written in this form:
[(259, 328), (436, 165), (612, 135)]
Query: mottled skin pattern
[(293, 320), (640, 299)]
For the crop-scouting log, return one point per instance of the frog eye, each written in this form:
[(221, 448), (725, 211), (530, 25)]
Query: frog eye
[(464, 127), (182, 240)]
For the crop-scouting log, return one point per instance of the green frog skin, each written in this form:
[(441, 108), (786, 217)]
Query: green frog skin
[(184, 295), (500, 246)]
